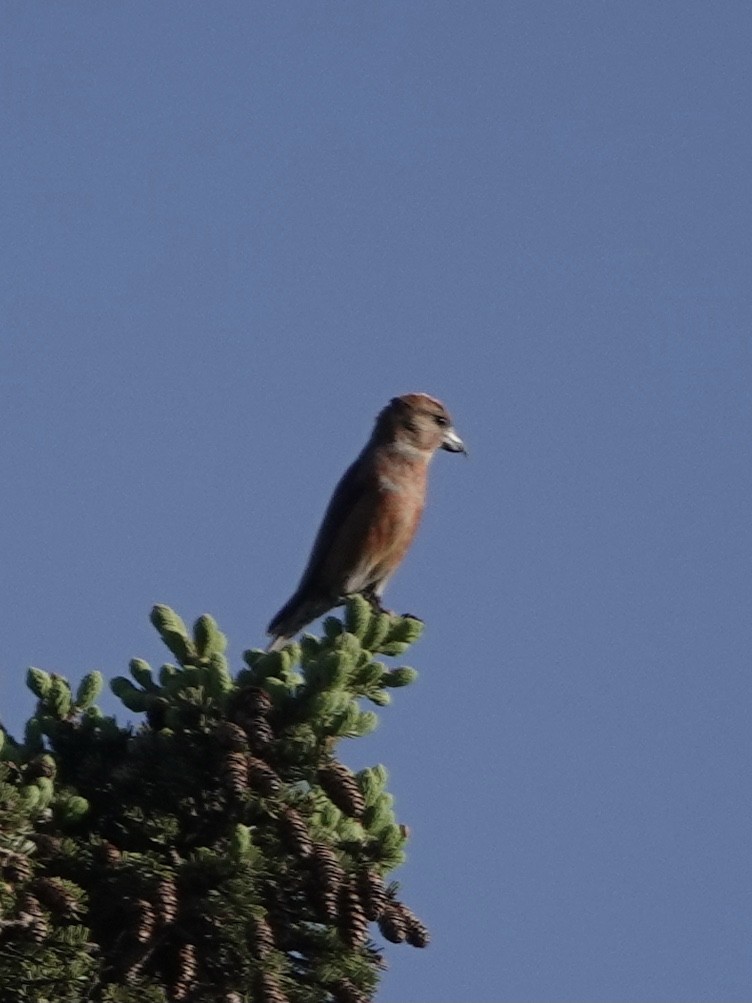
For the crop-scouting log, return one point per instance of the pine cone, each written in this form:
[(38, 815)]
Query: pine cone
[(39, 929), (260, 734), (235, 773), (294, 832), (353, 924), (262, 777), (253, 701), (53, 894), (108, 853), (187, 967), (145, 920), (167, 900), (345, 991), (269, 990), (231, 736), (254, 723), (47, 846), (341, 787), (416, 933), (17, 869), (392, 925), (262, 937), (328, 903), (133, 967), (372, 894), (32, 917), (327, 880)]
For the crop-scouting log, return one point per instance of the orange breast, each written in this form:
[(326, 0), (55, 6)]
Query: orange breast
[(378, 532), (393, 529)]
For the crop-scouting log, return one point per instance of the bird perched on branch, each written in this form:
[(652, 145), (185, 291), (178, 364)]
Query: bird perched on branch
[(373, 514)]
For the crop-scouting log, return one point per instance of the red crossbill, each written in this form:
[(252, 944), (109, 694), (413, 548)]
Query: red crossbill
[(373, 514)]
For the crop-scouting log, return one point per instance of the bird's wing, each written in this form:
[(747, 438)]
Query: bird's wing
[(343, 529)]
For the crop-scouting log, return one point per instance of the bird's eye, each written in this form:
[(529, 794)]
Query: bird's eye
[(441, 420)]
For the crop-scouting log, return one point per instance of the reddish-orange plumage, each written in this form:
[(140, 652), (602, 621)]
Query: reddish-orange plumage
[(374, 512)]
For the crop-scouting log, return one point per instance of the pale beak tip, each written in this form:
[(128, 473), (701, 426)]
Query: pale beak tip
[(452, 442)]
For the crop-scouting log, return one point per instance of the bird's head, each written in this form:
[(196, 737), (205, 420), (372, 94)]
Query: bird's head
[(418, 423)]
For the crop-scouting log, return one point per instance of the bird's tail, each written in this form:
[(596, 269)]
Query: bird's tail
[(293, 616), (279, 642)]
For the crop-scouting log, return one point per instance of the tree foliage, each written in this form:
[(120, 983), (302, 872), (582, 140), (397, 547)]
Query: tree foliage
[(218, 851)]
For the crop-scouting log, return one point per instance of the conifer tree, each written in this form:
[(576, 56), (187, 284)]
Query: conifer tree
[(219, 850)]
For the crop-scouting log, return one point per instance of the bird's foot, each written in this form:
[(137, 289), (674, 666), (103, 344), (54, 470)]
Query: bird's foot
[(375, 601)]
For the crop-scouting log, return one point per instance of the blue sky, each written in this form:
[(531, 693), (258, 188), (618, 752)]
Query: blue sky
[(231, 232)]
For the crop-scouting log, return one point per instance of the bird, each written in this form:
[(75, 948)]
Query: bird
[(373, 513)]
